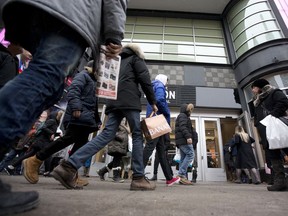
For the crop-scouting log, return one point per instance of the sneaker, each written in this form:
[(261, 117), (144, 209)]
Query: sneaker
[(185, 181), (173, 181), (142, 184), (9, 171)]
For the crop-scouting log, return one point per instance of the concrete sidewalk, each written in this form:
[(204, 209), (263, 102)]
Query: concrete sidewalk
[(108, 198)]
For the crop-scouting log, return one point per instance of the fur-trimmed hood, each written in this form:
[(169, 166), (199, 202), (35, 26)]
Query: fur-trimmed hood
[(131, 48)]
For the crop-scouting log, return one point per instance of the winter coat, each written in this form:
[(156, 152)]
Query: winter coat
[(96, 21), (183, 127), (43, 135), (8, 66), (245, 158), (133, 72), (270, 101), (119, 145), (160, 95), (81, 97)]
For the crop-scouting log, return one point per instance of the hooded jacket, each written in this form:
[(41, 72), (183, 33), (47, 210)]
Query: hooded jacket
[(81, 97), (183, 127), (133, 74), (96, 21), (160, 94)]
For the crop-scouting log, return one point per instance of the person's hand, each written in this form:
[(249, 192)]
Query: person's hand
[(154, 108), (76, 114), (27, 56), (112, 50), (189, 141)]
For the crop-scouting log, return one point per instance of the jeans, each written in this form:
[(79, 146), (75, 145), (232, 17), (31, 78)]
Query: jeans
[(160, 145), (108, 134), (9, 158), (23, 99), (187, 156)]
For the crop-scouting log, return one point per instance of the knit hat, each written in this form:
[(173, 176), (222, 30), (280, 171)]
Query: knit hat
[(260, 83)]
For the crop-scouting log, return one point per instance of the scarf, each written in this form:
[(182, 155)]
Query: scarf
[(266, 90)]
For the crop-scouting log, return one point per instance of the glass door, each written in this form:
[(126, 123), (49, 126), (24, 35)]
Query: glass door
[(212, 150)]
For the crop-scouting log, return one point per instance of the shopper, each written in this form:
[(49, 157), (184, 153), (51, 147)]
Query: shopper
[(184, 140), (159, 88), (56, 34), (270, 100), (133, 74)]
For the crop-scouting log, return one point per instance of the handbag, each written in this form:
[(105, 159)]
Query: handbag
[(276, 132), (155, 126)]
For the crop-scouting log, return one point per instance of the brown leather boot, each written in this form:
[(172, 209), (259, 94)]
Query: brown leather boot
[(31, 169), (142, 184), (81, 181), (67, 175)]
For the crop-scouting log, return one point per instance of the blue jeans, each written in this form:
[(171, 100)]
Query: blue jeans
[(23, 99), (108, 134), (187, 156)]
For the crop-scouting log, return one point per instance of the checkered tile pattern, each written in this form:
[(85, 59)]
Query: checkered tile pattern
[(214, 77)]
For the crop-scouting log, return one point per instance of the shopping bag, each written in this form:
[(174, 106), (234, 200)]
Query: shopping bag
[(177, 156), (276, 132), (155, 126)]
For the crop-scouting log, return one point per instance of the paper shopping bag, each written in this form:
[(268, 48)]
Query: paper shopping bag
[(155, 126)]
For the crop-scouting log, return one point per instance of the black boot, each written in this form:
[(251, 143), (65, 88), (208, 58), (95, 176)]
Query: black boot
[(102, 172), (154, 178), (116, 176), (16, 202), (194, 176), (279, 178)]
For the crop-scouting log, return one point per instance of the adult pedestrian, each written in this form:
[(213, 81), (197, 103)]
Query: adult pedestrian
[(159, 88), (245, 159), (133, 74), (184, 140), (57, 34), (270, 100)]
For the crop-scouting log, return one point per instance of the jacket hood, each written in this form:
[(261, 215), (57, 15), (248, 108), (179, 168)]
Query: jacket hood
[(132, 49), (187, 108), (162, 78)]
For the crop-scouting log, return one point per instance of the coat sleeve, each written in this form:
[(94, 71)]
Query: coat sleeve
[(75, 92), (280, 104), (143, 78), (162, 105), (114, 18)]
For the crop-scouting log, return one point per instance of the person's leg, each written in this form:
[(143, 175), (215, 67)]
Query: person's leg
[(117, 168), (101, 172), (138, 180), (187, 156), (238, 175), (256, 175), (247, 172), (155, 170), (148, 150), (26, 155), (67, 170)]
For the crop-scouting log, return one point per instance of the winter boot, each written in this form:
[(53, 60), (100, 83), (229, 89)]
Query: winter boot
[(154, 178), (81, 181), (31, 167), (194, 176), (141, 183), (116, 176), (102, 172), (279, 179), (66, 174), (16, 202)]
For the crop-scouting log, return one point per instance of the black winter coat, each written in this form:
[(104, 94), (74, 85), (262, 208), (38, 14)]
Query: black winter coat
[(133, 73), (272, 102), (183, 127), (8, 66), (81, 96)]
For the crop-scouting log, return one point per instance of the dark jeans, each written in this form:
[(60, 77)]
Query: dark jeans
[(116, 162), (74, 134), (160, 145)]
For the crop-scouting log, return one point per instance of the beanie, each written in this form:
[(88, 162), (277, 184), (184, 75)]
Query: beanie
[(260, 83)]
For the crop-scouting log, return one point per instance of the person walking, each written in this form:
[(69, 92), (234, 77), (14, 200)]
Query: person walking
[(269, 100), (133, 72), (159, 88), (195, 162), (184, 141), (56, 34), (81, 118), (245, 159), (117, 148)]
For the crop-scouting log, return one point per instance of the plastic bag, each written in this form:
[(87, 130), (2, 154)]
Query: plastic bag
[(276, 132), (177, 156)]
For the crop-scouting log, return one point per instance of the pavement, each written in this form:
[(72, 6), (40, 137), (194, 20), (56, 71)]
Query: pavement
[(109, 198)]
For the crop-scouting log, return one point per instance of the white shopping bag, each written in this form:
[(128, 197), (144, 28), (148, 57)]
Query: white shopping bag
[(276, 132)]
